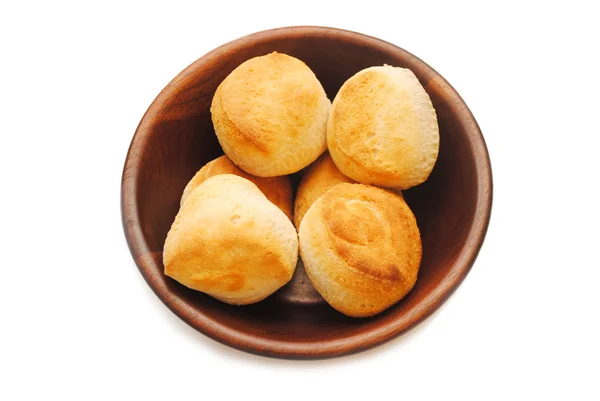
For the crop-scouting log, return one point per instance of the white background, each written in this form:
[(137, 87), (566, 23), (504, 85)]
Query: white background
[(77, 320)]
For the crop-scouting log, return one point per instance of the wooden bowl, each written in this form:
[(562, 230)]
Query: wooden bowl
[(175, 138)]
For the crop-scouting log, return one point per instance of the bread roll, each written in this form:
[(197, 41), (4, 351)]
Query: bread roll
[(270, 115), (320, 177), (230, 242), (277, 189), (361, 248), (382, 129)]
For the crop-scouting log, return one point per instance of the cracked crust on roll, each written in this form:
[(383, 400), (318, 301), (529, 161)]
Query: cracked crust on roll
[(230, 242), (270, 115), (361, 248)]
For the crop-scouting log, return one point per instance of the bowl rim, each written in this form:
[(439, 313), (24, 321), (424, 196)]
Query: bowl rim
[(265, 346)]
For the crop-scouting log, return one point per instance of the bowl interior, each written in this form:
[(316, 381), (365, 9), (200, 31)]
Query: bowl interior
[(176, 137)]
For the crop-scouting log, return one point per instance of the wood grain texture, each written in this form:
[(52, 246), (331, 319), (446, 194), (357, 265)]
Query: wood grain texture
[(175, 138)]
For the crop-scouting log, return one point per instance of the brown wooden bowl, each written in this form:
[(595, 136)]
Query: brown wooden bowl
[(175, 138)]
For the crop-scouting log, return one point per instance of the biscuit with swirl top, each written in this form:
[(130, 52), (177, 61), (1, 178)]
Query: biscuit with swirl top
[(361, 248)]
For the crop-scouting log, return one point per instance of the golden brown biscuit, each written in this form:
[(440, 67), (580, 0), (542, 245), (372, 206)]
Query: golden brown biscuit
[(277, 189), (320, 177), (230, 242), (382, 129), (361, 248), (270, 115)]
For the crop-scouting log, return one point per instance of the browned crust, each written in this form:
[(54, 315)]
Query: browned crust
[(277, 189), (361, 247)]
